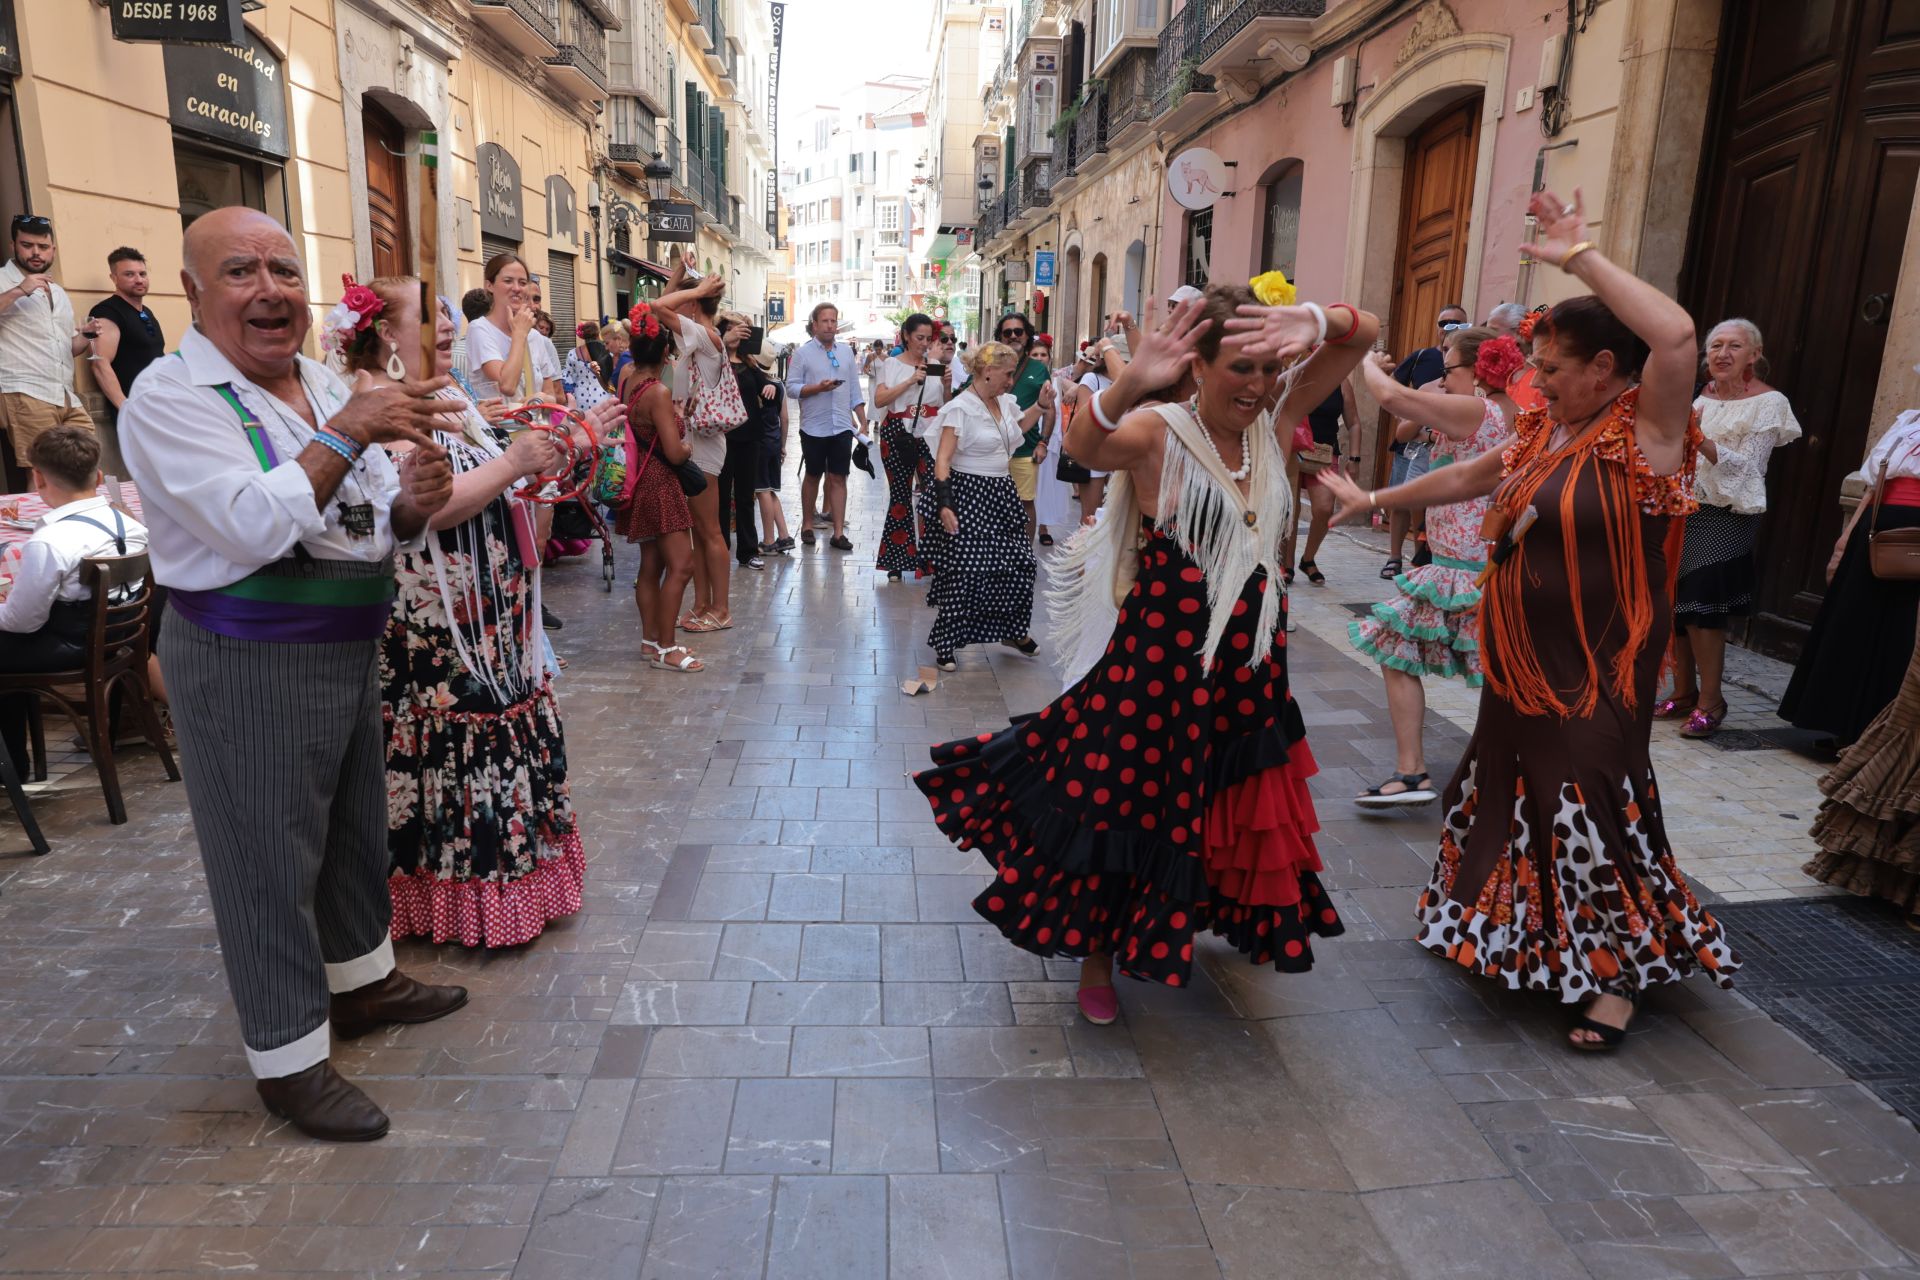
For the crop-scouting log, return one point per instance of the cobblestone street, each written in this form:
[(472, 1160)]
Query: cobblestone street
[(778, 1042)]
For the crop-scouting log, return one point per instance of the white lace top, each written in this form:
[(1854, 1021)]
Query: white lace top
[(1746, 432)]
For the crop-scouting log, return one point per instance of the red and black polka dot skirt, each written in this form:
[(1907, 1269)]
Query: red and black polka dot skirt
[(1161, 795)]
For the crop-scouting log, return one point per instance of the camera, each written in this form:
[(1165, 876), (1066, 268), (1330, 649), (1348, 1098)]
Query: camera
[(935, 369)]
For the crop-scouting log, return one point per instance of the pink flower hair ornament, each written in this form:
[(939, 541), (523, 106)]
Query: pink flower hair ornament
[(1499, 359), (349, 318)]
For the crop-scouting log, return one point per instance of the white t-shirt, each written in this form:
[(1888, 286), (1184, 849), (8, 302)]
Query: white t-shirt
[(486, 342), (546, 360), (698, 347)]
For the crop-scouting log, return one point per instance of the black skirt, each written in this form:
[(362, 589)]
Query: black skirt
[(1861, 641), (1716, 569), (984, 585)]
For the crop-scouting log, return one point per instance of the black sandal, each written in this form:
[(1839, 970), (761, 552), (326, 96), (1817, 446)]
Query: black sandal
[(1025, 644), (1610, 1037), (1391, 569), (1286, 575), (1046, 539), (1313, 573), (1419, 790)]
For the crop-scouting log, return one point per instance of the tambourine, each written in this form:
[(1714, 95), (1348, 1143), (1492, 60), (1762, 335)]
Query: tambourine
[(558, 421)]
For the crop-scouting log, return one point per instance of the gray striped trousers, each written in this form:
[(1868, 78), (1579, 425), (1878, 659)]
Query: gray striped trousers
[(285, 760)]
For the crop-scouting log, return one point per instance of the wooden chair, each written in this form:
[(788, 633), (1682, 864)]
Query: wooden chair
[(116, 656)]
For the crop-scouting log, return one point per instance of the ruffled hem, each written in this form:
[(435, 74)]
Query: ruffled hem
[(1260, 834), (1454, 590), (1868, 877), (988, 795), (1414, 656), (491, 913)]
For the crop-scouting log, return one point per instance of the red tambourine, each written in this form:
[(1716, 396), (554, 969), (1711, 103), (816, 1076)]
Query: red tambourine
[(558, 421)]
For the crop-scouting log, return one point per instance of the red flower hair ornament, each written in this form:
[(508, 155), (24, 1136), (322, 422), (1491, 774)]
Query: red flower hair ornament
[(643, 320), (350, 317), (1499, 359)]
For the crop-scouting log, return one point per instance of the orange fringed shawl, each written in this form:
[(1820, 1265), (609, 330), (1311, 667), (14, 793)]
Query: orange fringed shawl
[(1628, 489)]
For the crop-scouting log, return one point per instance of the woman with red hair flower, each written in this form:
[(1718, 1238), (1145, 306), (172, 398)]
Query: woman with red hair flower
[(1432, 627)]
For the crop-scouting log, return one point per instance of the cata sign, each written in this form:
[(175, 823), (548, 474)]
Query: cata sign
[(671, 221), (177, 21)]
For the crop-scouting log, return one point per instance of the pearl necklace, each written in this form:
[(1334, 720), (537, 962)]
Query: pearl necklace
[(1246, 454)]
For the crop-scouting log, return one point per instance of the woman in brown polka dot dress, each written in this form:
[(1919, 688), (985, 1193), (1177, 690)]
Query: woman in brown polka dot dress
[(1554, 872), (1166, 792)]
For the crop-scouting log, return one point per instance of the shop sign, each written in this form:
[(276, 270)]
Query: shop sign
[(9, 40), (671, 221), (776, 308), (231, 93), (1043, 268), (176, 21), (499, 192), (1197, 179), (562, 220)]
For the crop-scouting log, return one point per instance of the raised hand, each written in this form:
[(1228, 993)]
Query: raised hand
[(520, 316), (1562, 225), (1350, 499), (1164, 351), (1284, 332), (403, 413)]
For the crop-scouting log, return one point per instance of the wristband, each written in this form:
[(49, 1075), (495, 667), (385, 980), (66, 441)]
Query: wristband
[(1319, 318), (1100, 415), (1353, 318), (1566, 263), (338, 443), (1372, 500), (943, 494)]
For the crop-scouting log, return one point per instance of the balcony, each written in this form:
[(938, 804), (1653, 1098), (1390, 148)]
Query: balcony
[(578, 63), (729, 73), (703, 186), (1130, 100), (1250, 39), (530, 26), (706, 24), (632, 136), (717, 46), (684, 10), (1182, 92)]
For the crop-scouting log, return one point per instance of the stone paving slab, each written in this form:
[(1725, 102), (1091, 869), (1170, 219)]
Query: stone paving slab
[(778, 1044)]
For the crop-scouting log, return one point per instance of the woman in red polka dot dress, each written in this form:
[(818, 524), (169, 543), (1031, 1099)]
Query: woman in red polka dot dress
[(1166, 792)]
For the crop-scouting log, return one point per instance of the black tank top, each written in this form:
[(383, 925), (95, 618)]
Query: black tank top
[(141, 342)]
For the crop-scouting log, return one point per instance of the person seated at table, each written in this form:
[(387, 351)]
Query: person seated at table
[(49, 607)]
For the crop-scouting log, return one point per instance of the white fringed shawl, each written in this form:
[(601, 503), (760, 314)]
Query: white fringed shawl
[(1227, 534)]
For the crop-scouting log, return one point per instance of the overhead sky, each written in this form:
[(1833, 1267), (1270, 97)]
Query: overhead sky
[(829, 46)]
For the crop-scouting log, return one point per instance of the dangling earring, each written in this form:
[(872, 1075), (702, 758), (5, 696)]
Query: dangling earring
[(395, 370), (1747, 377)]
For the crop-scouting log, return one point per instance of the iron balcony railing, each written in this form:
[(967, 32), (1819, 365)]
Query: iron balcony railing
[(1036, 184), (993, 219), (1090, 126), (581, 44), (541, 15), (632, 131), (1176, 71), (1222, 20), (1130, 91)]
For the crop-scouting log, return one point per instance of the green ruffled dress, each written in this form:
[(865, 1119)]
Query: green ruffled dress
[(1432, 627)]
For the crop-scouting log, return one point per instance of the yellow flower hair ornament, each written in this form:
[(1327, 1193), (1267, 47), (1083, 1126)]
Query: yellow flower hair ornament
[(1273, 289)]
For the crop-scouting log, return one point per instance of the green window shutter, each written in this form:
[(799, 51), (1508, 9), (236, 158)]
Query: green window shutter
[(693, 116)]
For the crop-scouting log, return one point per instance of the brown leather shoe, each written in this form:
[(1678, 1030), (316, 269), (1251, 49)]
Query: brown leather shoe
[(395, 998), (324, 1104)]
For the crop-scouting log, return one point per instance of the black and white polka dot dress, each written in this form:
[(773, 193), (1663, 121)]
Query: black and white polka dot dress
[(983, 581)]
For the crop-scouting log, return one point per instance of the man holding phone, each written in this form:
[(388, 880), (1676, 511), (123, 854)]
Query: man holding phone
[(823, 377)]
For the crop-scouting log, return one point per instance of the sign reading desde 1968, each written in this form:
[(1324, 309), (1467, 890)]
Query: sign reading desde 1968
[(177, 21)]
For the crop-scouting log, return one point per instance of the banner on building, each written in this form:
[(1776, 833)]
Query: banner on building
[(773, 117), (1043, 268), (177, 21)]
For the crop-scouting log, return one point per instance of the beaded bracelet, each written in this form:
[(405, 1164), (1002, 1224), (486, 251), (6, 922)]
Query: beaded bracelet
[(340, 444)]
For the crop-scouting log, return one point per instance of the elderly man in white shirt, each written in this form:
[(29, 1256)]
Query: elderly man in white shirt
[(38, 340), (273, 519)]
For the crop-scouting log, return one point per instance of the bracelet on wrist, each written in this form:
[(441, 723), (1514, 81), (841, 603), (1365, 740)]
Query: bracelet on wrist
[(1353, 322), (1100, 415), (1566, 263), (1319, 319), (338, 443)]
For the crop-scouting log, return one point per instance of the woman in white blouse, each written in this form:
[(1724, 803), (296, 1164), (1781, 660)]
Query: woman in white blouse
[(983, 585), (1744, 420), (1862, 638)]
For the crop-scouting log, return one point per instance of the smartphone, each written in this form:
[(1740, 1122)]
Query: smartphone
[(750, 345)]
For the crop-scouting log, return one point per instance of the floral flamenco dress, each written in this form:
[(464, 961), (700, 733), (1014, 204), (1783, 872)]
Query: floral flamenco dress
[(1554, 872), (484, 843), (1166, 792), (1433, 627)]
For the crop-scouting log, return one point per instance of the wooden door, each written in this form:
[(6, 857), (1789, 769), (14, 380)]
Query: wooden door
[(1436, 213), (1807, 187), (386, 146)]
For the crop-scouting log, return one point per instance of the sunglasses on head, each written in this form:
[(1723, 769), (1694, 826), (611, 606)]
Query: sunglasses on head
[(33, 223)]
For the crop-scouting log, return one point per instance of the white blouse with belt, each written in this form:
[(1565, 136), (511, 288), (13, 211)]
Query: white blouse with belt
[(1898, 450), (1745, 432), (984, 446)]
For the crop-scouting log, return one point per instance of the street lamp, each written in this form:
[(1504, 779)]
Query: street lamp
[(659, 179)]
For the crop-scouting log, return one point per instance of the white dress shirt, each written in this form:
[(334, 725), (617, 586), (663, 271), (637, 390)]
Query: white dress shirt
[(36, 342), (48, 567), (213, 515), (830, 412), (983, 446)]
